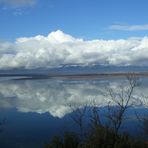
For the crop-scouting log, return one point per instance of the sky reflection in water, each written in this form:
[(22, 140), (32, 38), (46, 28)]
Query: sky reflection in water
[(37, 109)]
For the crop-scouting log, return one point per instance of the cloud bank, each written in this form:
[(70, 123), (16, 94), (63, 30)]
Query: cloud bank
[(129, 27), (59, 49), (18, 3)]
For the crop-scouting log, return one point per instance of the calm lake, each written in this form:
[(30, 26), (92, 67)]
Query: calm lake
[(34, 110)]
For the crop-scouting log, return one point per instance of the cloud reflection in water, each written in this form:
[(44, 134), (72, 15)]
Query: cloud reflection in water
[(55, 96)]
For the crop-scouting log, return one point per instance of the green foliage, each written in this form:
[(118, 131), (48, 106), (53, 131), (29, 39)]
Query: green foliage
[(70, 140), (100, 137), (103, 137)]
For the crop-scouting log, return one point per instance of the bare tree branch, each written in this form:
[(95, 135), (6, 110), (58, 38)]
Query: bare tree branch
[(121, 100)]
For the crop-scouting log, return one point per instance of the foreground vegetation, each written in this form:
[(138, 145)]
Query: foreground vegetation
[(101, 137), (105, 135)]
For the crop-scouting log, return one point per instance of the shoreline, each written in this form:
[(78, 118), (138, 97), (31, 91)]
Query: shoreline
[(88, 76)]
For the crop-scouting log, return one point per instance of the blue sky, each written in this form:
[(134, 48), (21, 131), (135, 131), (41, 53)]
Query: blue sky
[(88, 19), (52, 33)]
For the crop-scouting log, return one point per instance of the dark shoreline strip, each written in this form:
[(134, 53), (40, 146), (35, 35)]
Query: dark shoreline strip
[(77, 75), (92, 76)]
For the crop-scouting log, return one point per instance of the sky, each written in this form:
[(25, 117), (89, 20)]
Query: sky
[(37, 33)]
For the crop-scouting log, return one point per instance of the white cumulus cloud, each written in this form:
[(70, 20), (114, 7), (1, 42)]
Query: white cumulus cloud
[(59, 48)]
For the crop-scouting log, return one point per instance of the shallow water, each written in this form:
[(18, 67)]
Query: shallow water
[(35, 110)]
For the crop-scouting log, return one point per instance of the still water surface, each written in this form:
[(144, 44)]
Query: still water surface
[(35, 110)]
